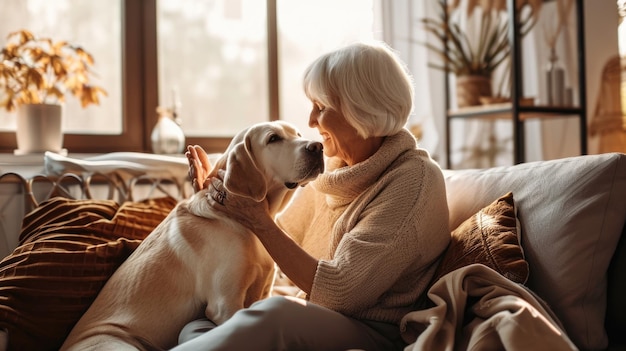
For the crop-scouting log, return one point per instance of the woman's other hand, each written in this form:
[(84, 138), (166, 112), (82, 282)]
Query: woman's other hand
[(244, 210), (199, 167)]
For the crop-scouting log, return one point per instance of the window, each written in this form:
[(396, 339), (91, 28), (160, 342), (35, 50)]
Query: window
[(308, 28), (213, 63), (224, 64), (93, 25)]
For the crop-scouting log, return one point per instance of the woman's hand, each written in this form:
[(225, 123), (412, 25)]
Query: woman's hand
[(199, 166), (244, 210), (296, 263)]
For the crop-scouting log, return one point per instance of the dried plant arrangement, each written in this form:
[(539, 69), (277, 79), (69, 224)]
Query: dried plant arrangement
[(39, 70), (481, 54)]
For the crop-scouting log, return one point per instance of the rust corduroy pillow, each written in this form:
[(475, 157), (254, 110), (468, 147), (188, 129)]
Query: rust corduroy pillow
[(489, 237), (68, 249)]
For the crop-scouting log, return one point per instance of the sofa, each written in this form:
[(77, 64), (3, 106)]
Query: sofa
[(572, 215), (568, 225)]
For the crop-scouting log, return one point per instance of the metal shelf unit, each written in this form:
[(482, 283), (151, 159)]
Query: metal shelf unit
[(516, 110)]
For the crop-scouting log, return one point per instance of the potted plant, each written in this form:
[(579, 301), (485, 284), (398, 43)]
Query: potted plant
[(473, 59), (36, 74)]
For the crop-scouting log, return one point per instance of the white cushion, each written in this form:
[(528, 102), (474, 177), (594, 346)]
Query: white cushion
[(571, 211)]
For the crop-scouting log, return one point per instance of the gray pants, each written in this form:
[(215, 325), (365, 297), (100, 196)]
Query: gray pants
[(285, 323)]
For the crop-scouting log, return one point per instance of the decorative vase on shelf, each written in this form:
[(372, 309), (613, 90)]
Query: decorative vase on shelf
[(39, 129), (470, 88), (167, 136), (555, 81)]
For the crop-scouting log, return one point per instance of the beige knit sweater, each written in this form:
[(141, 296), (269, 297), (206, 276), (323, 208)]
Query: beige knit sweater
[(378, 228)]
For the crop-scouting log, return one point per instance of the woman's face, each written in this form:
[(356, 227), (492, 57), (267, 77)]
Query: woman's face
[(338, 136)]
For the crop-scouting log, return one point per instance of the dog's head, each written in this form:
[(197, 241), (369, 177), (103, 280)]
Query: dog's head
[(268, 160)]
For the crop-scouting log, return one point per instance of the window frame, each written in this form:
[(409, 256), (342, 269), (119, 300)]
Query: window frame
[(140, 87)]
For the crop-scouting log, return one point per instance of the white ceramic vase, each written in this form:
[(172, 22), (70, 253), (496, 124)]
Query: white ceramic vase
[(39, 128), (167, 136)]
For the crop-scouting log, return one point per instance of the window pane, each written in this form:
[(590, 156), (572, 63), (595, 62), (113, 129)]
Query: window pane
[(92, 25), (307, 29), (213, 53)]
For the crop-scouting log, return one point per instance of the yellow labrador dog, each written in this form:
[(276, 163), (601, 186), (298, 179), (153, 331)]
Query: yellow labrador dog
[(198, 262)]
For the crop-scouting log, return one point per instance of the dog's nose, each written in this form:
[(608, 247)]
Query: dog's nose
[(315, 147)]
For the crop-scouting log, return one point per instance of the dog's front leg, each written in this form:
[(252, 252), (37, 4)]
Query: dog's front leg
[(221, 309)]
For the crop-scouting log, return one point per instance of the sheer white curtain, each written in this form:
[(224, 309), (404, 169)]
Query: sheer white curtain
[(402, 30), (558, 137)]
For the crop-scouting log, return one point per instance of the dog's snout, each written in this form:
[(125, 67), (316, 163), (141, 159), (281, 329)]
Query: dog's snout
[(314, 147)]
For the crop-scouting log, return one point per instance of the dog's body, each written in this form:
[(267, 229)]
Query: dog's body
[(198, 262)]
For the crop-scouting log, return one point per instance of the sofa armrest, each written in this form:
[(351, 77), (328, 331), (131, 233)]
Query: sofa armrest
[(616, 290)]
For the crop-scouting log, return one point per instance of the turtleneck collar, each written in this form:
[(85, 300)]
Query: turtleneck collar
[(342, 183)]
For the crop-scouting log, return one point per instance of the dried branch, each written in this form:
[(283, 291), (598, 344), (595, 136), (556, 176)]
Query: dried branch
[(492, 47)]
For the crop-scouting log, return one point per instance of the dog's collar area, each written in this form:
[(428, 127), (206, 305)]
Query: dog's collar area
[(291, 185)]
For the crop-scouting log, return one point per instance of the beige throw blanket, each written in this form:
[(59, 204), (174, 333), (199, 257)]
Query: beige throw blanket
[(478, 309)]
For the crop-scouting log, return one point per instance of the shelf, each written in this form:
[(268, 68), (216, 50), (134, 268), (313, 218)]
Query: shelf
[(504, 111)]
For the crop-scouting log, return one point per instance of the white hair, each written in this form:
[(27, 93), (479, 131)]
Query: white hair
[(367, 83)]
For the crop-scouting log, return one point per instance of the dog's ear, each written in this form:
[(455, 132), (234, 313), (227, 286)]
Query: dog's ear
[(243, 177), (223, 160)]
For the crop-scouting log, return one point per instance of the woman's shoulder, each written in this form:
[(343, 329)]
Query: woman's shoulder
[(413, 174), (417, 161)]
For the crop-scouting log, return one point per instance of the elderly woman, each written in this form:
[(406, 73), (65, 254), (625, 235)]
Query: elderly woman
[(363, 240)]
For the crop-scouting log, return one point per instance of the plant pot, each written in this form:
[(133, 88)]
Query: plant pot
[(39, 129), (469, 90)]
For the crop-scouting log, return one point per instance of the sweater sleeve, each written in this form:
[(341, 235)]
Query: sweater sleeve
[(392, 236)]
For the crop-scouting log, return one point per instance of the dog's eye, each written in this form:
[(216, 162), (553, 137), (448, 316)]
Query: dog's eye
[(273, 138)]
